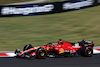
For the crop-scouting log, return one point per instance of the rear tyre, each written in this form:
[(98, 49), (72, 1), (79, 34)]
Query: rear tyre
[(88, 52), (41, 53)]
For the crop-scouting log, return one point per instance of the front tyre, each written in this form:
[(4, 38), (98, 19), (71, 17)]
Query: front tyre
[(41, 53), (26, 47)]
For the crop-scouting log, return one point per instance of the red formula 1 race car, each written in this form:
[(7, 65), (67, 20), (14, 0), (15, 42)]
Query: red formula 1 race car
[(60, 49)]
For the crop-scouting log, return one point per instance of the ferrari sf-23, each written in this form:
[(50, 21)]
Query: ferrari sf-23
[(60, 49)]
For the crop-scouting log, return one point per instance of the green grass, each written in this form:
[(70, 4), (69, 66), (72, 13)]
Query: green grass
[(48, 1), (15, 32), (17, 1), (12, 1)]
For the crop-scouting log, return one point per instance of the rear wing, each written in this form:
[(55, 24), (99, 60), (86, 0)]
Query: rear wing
[(89, 43), (86, 41)]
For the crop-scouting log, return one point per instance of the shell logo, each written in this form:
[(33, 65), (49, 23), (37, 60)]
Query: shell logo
[(47, 48), (61, 50)]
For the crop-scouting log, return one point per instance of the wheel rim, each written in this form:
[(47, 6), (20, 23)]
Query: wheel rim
[(89, 52), (42, 54)]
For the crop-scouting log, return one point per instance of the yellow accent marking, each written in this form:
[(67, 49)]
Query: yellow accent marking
[(47, 48), (61, 51)]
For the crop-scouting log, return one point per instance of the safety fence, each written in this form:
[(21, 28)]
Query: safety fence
[(45, 8)]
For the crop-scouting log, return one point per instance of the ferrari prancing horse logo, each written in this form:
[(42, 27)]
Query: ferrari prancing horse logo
[(61, 50)]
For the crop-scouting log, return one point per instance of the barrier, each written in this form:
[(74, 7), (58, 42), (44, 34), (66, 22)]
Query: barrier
[(45, 8)]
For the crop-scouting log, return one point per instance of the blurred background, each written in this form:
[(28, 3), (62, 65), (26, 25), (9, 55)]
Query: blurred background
[(18, 1), (73, 26)]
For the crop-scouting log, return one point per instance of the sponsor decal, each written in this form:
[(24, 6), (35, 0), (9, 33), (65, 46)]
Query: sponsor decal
[(76, 45), (77, 5), (43, 8), (59, 45), (34, 54), (31, 48), (56, 49), (36, 47), (61, 50), (72, 51), (47, 48), (26, 10), (66, 50)]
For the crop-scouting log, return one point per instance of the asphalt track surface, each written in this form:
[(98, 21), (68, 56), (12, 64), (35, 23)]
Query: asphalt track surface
[(52, 62)]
